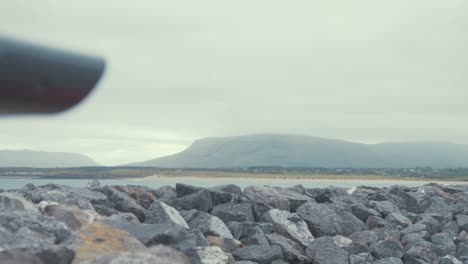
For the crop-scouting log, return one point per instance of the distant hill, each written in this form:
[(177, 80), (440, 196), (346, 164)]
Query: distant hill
[(43, 159), (306, 151)]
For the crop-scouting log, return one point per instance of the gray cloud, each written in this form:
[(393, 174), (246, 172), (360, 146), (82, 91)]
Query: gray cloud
[(363, 70)]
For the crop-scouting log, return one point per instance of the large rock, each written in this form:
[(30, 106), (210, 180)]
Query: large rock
[(226, 244), (223, 194), (384, 207), (324, 251), (247, 229), (186, 189), (289, 225), (449, 259), (294, 197), (325, 220), (70, 215), (228, 212), (200, 200), (362, 212), (256, 239), (211, 255), (140, 194), (209, 225), (292, 251), (264, 198), (39, 255), (422, 252), (445, 242), (259, 254), (10, 201), (124, 203), (161, 213), (386, 249), (389, 261), (398, 220), (98, 240), (21, 229), (462, 222), (171, 235), (158, 254), (80, 197)]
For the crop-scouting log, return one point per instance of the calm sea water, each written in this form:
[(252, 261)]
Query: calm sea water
[(7, 184)]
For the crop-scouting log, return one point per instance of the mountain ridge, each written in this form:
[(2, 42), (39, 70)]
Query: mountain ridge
[(43, 159), (309, 151)]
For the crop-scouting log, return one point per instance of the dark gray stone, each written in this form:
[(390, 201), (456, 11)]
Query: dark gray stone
[(389, 261), (361, 258), (257, 239), (445, 242), (228, 212), (124, 203), (449, 259), (295, 198), (384, 207), (259, 254), (362, 212), (246, 229), (422, 252), (186, 189), (398, 221), (172, 235), (325, 220), (264, 198), (161, 213), (462, 222), (373, 222), (209, 225), (292, 251), (225, 194), (200, 201), (324, 251), (386, 249), (289, 225)]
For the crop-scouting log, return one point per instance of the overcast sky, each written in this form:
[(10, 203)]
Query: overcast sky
[(365, 70)]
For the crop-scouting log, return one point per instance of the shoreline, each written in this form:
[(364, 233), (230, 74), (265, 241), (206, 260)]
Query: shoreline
[(302, 179)]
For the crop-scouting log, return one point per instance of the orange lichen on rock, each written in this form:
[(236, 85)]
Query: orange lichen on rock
[(96, 240)]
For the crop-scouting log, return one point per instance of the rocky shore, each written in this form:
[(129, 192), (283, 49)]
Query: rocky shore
[(225, 224)]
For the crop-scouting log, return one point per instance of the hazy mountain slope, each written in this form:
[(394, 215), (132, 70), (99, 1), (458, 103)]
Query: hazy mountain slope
[(298, 151), (42, 159)]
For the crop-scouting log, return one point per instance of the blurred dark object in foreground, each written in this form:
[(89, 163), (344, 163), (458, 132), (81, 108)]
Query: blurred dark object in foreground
[(38, 79)]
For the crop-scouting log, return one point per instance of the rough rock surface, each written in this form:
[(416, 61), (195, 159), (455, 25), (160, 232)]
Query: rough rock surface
[(225, 224)]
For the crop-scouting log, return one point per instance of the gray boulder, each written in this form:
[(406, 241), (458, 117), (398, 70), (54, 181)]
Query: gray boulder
[(264, 198), (186, 189), (158, 254), (228, 212), (361, 258), (389, 261), (222, 194), (171, 235), (257, 239), (295, 198), (386, 249), (422, 252), (449, 259), (292, 251), (462, 222), (161, 213), (373, 222), (259, 254), (289, 225), (200, 200), (247, 229), (11, 201), (325, 220), (211, 255), (398, 221), (209, 225), (445, 242), (124, 203), (362, 212), (384, 207), (324, 251)]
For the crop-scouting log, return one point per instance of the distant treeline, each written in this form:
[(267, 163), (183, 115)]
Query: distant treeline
[(136, 172)]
